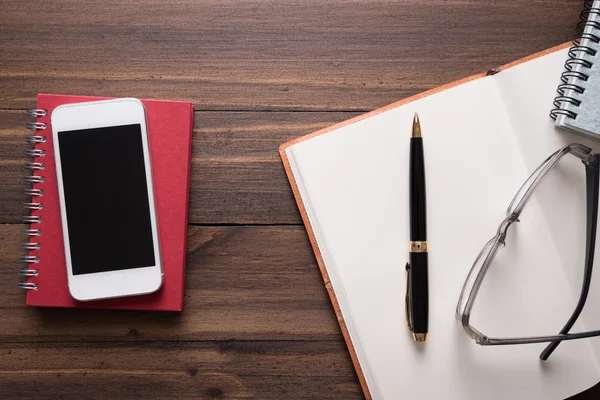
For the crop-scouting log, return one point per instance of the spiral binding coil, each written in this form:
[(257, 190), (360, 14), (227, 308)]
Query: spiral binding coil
[(35, 193), (575, 74)]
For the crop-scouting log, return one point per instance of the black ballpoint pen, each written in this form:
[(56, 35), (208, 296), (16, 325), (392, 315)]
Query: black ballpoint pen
[(417, 285)]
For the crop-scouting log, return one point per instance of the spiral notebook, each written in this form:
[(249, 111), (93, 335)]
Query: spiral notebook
[(578, 100), (482, 137), (170, 134)]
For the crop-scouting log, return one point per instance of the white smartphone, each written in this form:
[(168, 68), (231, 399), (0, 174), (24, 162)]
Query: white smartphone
[(106, 195)]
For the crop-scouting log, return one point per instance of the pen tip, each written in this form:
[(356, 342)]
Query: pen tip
[(416, 128)]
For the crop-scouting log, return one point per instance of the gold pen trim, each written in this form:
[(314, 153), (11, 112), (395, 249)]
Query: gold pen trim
[(417, 337), (420, 337), (407, 301), (419, 246), (416, 127)]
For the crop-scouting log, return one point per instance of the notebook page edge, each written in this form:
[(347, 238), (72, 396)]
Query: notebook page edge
[(335, 290)]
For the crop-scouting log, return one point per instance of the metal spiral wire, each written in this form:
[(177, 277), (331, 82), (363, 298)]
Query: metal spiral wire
[(36, 193), (576, 68)]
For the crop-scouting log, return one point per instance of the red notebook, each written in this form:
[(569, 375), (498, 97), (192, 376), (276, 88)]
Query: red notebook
[(170, 133)]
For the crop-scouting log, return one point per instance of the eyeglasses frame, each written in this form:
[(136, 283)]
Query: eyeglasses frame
[(591, 162)]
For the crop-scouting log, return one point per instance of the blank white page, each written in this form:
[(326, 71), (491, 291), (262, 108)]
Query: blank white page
[(528, 90), (354, 185)]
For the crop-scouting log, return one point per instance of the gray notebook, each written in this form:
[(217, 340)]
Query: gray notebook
[(577, 106)]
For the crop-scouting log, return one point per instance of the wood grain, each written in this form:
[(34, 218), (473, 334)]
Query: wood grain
[(257, 321), (197, 370), (266, 55)]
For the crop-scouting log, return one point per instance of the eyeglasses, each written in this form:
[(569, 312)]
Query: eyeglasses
[(483, 261)]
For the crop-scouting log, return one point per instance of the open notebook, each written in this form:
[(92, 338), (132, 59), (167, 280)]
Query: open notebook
[(482, 136)]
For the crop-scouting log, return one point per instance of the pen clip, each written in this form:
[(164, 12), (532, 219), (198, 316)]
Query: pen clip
[(407, 301)]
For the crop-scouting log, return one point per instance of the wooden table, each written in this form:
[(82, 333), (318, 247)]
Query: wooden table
[(257, 321)]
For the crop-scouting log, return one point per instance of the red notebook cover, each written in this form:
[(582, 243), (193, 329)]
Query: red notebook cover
[(170, 134)]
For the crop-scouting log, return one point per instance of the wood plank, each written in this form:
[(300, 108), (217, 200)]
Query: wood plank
[(12, 164), (237, 175), (166, 370), (242, 282), (274, 55), (197, 370)]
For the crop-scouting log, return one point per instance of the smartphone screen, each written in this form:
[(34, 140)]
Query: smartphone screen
[(106, 199)]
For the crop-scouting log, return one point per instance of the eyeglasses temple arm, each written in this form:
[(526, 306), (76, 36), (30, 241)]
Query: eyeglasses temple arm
[(592, 174)]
